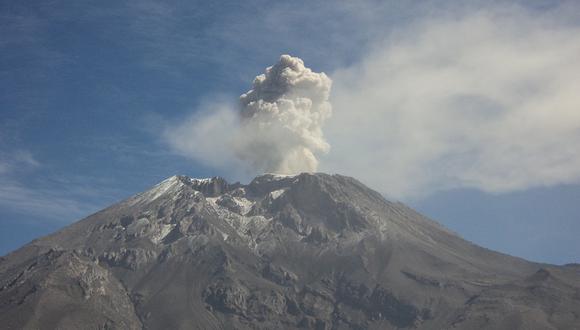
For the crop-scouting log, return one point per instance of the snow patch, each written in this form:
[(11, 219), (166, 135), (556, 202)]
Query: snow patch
[(276, 177), (200, 181), (212, 201), (277, 193), (166, 186), (280, 176), (164, 230), (245, 204), (224, 235), (247, 227)]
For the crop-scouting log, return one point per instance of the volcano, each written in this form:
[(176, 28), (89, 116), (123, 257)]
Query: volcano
[(310, 251)]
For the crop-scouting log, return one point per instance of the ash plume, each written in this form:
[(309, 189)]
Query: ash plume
[(275, 128), (282, 117)]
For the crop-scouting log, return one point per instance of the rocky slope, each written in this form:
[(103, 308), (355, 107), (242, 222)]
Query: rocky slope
[(309, 251)]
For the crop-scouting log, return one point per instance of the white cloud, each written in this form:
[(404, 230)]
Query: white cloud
[(489, 100)]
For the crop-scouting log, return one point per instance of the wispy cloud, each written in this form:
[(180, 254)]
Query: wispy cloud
[(44, 203), (52, 198), (17, 160)]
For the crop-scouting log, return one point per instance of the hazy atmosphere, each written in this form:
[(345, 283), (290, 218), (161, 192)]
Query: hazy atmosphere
[(469, 113)]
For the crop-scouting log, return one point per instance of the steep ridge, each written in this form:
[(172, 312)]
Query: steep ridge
[(305, 251)]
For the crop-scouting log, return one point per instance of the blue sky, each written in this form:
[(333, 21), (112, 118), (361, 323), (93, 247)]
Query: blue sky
[(89, 89)]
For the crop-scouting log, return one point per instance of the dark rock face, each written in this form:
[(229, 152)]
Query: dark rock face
[(310, 251)]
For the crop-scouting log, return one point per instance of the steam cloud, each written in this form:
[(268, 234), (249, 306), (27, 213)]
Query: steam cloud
[(282, 117), (277, 127), (489, 102)]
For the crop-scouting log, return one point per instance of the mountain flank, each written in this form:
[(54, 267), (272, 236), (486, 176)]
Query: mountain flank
[(309, 251)]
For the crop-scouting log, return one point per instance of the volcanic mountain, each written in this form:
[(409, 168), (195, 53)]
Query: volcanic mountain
[(311, 251)]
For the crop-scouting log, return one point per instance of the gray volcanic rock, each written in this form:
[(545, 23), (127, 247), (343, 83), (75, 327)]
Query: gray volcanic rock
[(310, 251)]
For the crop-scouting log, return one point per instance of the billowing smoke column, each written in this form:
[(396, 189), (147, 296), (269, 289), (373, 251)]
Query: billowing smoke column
[(282, 117)]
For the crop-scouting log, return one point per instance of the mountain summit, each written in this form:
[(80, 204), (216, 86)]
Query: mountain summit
[(312, 251)]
